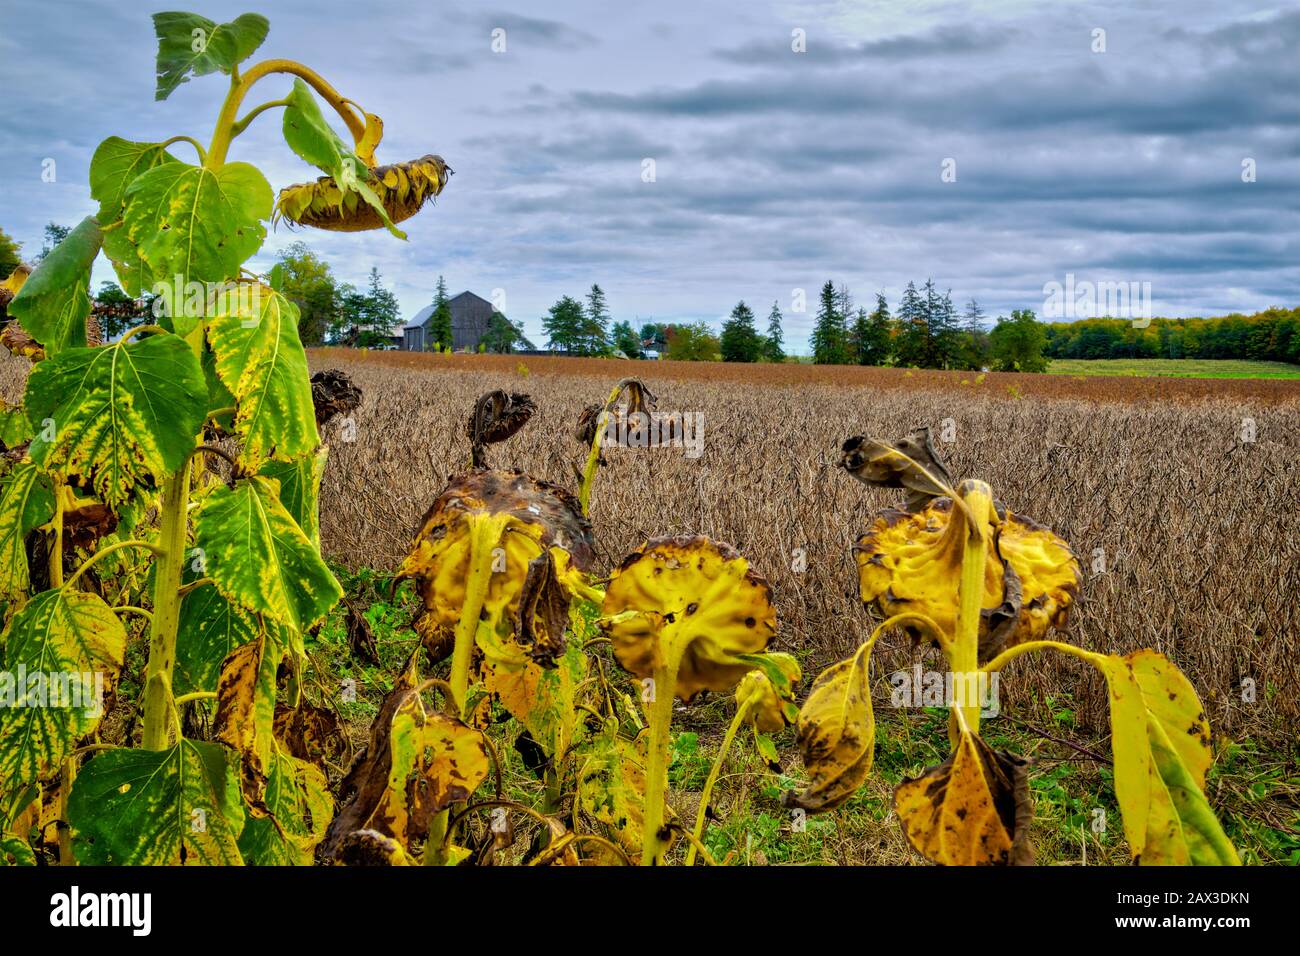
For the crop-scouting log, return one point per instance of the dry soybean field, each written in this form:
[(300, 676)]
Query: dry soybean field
[(1176, 494)]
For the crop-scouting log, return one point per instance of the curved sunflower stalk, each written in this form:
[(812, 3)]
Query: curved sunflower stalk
[(985, 585), (592, 425), (764, 703), (497, 561)]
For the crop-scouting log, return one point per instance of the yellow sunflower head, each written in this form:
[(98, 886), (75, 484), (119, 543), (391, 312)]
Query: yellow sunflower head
[(912, 562), (692, 605), (401, 189), (531, 516)]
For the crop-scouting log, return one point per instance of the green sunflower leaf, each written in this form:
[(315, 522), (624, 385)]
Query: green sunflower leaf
[(300, 489), (191, 44), (117, 163), (26, 503), (298, 798), (190, 221), (259, 358), (123, 415), (75, 643), (259, 557), (158, 807), (53, 303)]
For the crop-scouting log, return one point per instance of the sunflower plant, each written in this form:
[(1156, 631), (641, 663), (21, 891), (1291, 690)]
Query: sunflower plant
[(985, 585), (162, 489)]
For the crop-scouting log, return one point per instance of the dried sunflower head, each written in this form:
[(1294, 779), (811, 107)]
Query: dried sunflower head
[(911, 463), (497, 415), (401, 189), (692, 605), (332, 393), (533, 516), (912, 562)]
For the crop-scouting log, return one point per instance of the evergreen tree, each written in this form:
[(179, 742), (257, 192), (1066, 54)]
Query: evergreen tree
[(380, 313), (595, 328), (877, 345), (977, 344), (945, 336), (564, 326), (860, 337), (438, 333), (829, 337), (774, 342), (740, 341), (626, 340), (913, 329)]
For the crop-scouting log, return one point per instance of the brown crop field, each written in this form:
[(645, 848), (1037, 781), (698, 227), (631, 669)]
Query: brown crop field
[(1188, 535)]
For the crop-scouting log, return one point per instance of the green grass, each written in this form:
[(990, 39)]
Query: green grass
[(1175, 368)]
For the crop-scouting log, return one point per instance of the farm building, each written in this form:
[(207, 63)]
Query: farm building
[(470, 315)]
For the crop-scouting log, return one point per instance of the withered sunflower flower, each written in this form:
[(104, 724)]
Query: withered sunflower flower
[(912, 563), (689, 607), (911, 463), (497, 416), (402, 188), (531, 515)]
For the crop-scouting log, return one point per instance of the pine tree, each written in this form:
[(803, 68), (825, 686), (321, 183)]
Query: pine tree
[(595, 328), (945, 336), (564, 326), (931, 308), (740, 341), (829, 336), (439, 334), (913, 328), (380, 313), (773, 344), (977, 343), (878, 347), (860, 338)]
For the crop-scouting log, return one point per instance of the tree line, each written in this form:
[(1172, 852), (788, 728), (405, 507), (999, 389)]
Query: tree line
[(1272, 336), (926, 331)]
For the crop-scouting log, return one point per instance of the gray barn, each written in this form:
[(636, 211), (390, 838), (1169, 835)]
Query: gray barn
[(470, 315)]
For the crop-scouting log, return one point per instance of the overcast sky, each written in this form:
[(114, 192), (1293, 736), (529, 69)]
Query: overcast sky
[(774, 170)]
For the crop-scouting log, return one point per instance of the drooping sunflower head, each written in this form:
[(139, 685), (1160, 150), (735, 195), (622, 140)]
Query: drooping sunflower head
[(497, 415), (912, 562), (689, 604), (528, 517), (401, 189)]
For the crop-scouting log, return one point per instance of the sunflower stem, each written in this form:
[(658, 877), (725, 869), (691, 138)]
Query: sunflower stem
[(593, 456), (159, 704), (484, 535), (664, 690), (742, 711), (964, 656), (227, 121)]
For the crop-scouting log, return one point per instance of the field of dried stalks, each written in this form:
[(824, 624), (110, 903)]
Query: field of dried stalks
[(1188, 534)]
